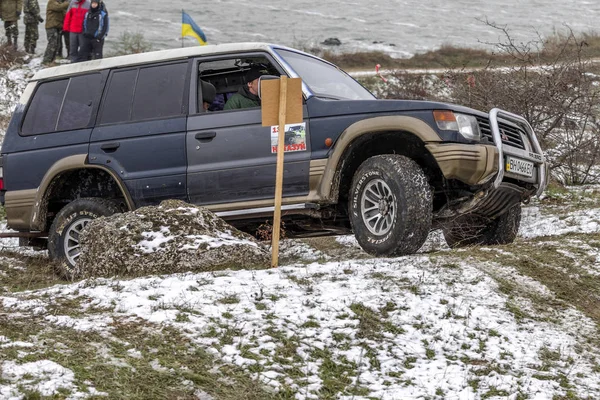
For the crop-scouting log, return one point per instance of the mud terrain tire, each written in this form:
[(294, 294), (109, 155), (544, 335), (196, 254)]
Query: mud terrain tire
[(390, 205), (64, 231), (474, 230)]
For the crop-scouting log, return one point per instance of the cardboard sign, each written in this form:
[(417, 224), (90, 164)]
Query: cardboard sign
[(269, 90)]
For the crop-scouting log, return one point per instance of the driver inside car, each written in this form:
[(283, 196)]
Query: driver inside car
[(247, 96)]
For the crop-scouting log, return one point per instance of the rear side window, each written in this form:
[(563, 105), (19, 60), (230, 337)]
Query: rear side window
[(43, 111), (79, 101), (159, 92), (145, 93), (61, 105), (118, 99)]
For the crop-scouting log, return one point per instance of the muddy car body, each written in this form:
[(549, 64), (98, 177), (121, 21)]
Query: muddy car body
[(112, 135)]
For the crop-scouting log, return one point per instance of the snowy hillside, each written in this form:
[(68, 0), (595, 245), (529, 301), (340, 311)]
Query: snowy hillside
[(516, 321), (508, 322)]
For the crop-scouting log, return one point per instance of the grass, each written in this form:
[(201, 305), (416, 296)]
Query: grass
[(370, 325), (567, 199), (22, 272), (136, 359), (450, 56), (139, 360), (543, 259), (230, 299)]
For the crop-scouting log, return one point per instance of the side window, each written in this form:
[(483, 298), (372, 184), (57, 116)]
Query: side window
[(228, 82), (43, 111), (159, 92), (145, 93), (79, 102), (117, 102), (62, 105)]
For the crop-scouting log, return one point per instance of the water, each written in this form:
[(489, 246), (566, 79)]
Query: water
[(399, 27)]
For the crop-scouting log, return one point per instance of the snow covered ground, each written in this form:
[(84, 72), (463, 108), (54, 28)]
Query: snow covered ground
[(509, 322), (447, 324)]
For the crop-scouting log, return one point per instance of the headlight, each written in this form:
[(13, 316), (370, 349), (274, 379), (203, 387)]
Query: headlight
[(466, 125)]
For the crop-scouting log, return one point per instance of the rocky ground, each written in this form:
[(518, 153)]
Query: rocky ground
[(507, 322)]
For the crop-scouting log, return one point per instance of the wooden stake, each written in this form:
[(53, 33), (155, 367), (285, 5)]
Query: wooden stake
[(279, 172)]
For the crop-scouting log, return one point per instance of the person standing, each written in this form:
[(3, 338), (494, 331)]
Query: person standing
[(10, 12), (32, 18), (65, 38), (74, 25), (95, 29), (55, 15)]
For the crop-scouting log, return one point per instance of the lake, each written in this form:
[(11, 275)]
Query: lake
[(399, 27)]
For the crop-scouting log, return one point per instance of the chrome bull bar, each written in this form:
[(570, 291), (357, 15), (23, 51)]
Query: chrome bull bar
[(537, 156)]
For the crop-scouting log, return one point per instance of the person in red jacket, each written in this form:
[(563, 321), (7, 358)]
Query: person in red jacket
[(74, 25)]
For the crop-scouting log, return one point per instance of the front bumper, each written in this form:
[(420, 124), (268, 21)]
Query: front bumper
[(481, 163), (471, 164), (534, 155)]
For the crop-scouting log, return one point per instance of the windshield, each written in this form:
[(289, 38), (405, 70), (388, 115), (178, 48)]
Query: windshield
[(323, 79)]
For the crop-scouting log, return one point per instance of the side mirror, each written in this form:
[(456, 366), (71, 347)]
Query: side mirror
[(264, 77)]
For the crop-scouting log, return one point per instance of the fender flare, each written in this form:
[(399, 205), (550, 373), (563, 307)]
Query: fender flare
[(78, 161), (415, 126)]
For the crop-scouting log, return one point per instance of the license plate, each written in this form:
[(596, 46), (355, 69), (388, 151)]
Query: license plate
[(519, 167)]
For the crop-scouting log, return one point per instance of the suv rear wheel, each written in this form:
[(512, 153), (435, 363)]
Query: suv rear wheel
[(63, 238), (390, 205), (475, 230)]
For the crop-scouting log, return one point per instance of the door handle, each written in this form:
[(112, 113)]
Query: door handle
[(205, 136), (108, 147)]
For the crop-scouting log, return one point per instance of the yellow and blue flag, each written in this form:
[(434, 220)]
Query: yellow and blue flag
[(189, 28)]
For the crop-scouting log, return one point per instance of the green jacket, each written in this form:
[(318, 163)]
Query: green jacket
[(55, 14), (31, 11), (242, 99), (9, 8)]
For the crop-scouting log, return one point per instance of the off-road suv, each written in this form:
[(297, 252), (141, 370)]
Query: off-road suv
[(112, 135)]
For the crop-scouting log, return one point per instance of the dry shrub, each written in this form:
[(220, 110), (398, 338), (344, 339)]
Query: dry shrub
[(264, 232), (9, 56), (130, 43), (449, 56), (411, 86), (553, 82), (445, 57), (366, 59), (554, 85)]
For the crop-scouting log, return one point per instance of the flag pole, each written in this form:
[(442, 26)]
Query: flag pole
[(182, 28)]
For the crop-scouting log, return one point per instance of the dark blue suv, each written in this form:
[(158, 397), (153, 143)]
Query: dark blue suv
[(107, 136)]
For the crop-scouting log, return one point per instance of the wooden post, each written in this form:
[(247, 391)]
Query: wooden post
[(281, 104), (279, 172)]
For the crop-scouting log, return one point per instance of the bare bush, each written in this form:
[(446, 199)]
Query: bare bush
[(264, 232), (9, 57), (411, 86), (552, 82)]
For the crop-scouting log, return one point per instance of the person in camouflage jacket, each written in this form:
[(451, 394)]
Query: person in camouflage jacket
[(55, 16), (10, 12), (32, 18)]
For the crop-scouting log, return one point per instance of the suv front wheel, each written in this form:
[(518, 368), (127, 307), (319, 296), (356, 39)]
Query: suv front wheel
[(390, 205), (63, 238)]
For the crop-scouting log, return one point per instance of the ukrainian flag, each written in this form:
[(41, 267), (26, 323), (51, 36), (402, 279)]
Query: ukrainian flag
[(189, 28)]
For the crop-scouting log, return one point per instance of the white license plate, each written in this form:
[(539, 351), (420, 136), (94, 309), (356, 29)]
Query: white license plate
[(519, 167)]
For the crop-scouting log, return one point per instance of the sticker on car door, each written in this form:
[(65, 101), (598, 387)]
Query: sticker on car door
[(295, 138)]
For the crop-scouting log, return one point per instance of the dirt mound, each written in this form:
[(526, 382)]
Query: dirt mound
[(172, 237)]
